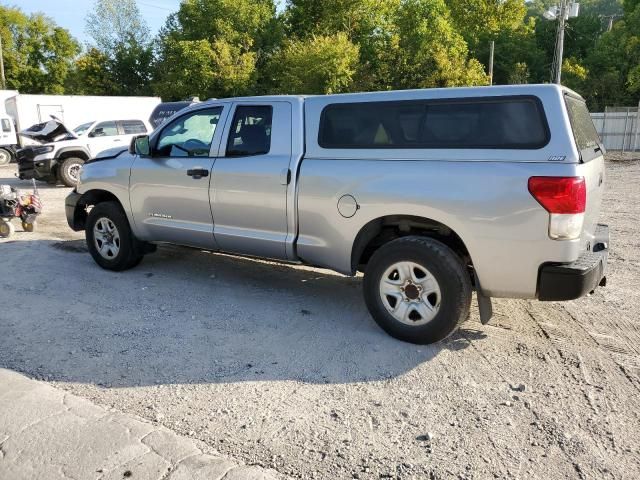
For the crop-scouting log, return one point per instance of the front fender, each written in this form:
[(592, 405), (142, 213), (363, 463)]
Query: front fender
[(76, 214), (107, 179)]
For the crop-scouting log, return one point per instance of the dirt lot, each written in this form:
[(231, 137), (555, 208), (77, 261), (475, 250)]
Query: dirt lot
[(283, 367)]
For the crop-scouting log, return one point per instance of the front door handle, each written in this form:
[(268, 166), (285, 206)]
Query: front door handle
[(197, 173), (285, 176)]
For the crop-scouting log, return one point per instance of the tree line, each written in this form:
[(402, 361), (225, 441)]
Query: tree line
[(222, 48)]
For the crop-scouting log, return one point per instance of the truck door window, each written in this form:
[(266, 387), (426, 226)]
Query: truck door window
[(190, 135), (250, 131), (131, 127), (6, 126), (80, 129), (104, 129)]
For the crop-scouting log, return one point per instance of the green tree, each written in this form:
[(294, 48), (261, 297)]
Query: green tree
[(482, 20), (630, 6), (428, 51), (203, 68), (574, 75), (318, 64), (38, 54), (516, 51), (614, 63), (215, 48), (369, 24), (90, 75), (121, 35)]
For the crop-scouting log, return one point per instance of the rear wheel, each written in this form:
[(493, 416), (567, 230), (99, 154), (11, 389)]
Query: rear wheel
[(69, 171), (110, 239), (417, 289), (5, 157)]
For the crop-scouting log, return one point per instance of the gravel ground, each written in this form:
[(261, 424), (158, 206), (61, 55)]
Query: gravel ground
[(282, 366)]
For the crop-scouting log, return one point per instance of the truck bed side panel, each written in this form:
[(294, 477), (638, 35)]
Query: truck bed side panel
[(486, 203)]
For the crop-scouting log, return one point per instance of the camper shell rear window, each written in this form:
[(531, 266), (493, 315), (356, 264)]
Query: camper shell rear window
[(515, 122), (584, 131)]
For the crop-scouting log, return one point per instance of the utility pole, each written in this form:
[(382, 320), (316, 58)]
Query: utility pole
[(491, 50), (560, 41), (2, 80)]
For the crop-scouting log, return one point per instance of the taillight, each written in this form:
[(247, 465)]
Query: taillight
[(560, 194), (565, 198)]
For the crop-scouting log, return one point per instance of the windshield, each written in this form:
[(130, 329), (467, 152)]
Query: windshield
[(80, 129)]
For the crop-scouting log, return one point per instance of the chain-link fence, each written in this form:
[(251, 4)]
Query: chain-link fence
[(619, 128)]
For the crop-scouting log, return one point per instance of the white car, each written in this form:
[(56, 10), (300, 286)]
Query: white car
[(62, 152)]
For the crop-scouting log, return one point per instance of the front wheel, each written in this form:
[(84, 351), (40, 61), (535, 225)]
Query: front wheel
[(5, 157), (69, 171), (110, 239), (417, 289)]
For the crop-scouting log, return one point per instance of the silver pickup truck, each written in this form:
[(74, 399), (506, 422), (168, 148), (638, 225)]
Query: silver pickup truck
[(431, 193)]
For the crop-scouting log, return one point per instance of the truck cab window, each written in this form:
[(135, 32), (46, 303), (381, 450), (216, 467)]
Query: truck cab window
[(104, 129), (250, 131), (132, 127), (6, 126), (190, 135), (80, 129)]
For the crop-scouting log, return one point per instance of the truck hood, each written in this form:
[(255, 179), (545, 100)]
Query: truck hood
[(50, 131), (108, 154)]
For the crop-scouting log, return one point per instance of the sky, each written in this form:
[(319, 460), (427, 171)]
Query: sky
[(71, 14)]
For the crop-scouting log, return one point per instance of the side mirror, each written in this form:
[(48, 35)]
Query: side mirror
[(140, 146)]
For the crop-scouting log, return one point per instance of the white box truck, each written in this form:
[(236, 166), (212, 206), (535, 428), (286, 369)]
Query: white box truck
[(23, 111)]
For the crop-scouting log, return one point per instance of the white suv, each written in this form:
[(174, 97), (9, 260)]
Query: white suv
[(63, 151)]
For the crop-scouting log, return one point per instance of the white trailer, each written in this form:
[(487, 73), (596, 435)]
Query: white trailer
[(73, 110)]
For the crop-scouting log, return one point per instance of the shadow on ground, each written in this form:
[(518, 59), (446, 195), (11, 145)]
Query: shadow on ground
[(187, 316)]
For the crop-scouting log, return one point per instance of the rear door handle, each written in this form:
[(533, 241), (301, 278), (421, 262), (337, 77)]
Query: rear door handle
[(197, 173)]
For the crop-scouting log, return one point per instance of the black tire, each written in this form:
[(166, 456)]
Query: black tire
[(130, 249), (29, 226), (447, 269), (6, 229), (6, 157), (66, 171)]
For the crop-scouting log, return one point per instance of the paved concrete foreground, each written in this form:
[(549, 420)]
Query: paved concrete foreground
[(47, 433)]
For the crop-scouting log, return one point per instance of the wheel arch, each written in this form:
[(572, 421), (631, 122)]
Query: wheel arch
[(67, 152), (89, 199), (382, 230)]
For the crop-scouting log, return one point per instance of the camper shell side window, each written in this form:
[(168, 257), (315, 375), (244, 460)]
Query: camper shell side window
[(517, 122)]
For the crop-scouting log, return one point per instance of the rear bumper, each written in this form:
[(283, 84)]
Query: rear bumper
[(569, 281)]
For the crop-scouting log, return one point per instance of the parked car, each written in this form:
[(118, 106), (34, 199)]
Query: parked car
[(62, 152), (430, 193)]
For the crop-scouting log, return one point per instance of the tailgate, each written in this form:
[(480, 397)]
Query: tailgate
[(591, 165), (594, 176)]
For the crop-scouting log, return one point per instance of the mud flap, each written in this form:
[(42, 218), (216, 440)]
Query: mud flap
[(484, 303)]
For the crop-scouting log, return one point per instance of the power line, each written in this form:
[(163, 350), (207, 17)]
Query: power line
[(155, 6)]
